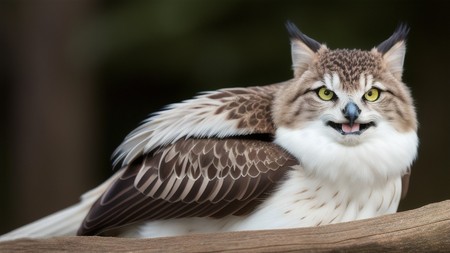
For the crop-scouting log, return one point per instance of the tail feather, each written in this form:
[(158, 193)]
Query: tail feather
[(62, 223)]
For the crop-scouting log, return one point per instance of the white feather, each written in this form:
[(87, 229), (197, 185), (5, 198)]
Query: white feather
[(194, 117)]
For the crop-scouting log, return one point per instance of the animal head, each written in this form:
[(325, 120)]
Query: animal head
[(348, 105)]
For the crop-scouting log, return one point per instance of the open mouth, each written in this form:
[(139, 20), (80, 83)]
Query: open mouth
[(355, 128)]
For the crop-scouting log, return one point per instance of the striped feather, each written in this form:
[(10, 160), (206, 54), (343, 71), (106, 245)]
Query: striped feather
[(205, 185), (222, 113)]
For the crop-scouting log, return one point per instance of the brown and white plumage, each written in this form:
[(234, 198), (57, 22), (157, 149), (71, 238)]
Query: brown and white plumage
[(220, 162), (275, 156), (222, 113), (191, 178)]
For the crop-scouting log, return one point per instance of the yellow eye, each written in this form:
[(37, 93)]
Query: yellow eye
[(372, 95), (325, 94)]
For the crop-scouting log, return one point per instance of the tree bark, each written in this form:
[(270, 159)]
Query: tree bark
[(421, 230)]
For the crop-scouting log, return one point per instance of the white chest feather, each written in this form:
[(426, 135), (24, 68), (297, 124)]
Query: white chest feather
[(303, 201)]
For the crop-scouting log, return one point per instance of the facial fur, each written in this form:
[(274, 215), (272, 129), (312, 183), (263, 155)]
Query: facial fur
[(349, 74), (383, 130)]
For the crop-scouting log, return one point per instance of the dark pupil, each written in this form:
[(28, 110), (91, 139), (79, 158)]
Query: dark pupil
[(326, 92), (369, 94)]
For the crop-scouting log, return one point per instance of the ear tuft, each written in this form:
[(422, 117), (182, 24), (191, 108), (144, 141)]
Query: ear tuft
[(296, 34), (399, 35), (393, 50), (303, 49)]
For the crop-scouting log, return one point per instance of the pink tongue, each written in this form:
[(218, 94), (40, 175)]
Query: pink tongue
[(350, 129)]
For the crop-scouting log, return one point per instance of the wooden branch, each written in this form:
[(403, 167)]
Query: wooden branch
[(421, 230)]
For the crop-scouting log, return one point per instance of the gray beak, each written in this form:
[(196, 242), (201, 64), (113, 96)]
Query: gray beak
[(351, 112)]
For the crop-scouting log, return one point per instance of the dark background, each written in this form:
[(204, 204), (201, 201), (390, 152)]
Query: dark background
[(77, 76)]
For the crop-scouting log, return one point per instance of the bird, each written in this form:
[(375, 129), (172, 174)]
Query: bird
[(334, 143)]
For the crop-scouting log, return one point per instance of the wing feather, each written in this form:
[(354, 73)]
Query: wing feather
[(207, 156), (222, 113), (140, 194)]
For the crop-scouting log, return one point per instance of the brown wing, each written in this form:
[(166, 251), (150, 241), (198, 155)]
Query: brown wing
[(191, 178), (251, 106)]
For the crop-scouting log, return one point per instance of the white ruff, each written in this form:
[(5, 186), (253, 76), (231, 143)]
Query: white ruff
[(378, 154)]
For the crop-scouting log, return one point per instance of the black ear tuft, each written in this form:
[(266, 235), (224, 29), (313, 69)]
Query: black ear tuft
[(399, 35), (295, 33)]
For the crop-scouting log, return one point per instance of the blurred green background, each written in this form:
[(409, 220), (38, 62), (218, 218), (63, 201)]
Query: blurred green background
[(77, 76)]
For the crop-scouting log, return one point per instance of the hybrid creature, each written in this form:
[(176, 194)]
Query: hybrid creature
[(335, 143)]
